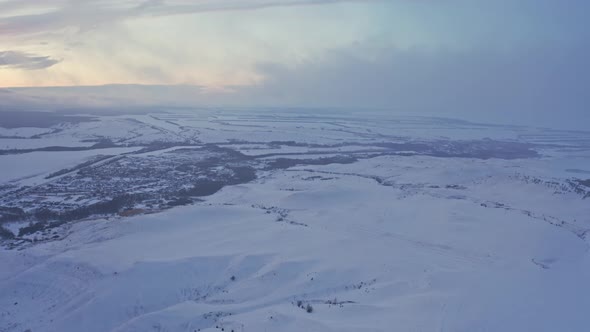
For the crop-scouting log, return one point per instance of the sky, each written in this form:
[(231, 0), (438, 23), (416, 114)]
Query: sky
[(494, 59)]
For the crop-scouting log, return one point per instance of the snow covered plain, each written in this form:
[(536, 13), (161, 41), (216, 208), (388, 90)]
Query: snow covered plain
[(390, 242)]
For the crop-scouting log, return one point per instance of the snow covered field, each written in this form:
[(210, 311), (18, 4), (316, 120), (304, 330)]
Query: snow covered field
[(390, 242), (33, 166)]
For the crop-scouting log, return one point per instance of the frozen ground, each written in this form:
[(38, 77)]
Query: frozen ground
[(411, 241), (31, 167)]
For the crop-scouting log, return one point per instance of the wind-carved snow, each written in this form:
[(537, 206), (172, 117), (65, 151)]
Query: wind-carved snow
[(444, 234)]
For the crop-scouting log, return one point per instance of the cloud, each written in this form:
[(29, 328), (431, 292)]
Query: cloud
[(52, 15), (114, 96), (543, 86), (26, 61)]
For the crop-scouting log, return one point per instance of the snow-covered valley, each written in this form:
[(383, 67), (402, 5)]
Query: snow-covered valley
[(350, 223)]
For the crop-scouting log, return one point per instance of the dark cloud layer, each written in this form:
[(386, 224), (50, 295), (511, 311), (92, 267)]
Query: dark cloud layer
[(26, 61), (542, 86)]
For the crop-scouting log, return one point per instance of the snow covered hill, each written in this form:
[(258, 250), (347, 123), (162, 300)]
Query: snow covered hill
[(464, 230)]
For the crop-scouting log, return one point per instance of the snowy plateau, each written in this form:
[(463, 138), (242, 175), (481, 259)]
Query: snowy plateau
[(275, 220)]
